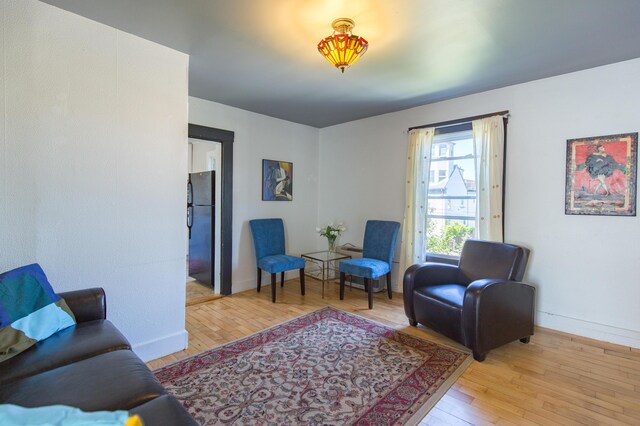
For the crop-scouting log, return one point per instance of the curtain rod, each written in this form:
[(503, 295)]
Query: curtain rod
[(460, 120)]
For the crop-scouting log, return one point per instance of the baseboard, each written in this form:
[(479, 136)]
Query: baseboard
[(166, 345), (239, 286), (589, 329), (251, 284)]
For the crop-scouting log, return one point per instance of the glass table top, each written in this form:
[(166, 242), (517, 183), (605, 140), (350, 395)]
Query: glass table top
[(326, 256)]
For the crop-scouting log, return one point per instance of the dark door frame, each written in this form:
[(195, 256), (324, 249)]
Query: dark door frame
[(225, 138)]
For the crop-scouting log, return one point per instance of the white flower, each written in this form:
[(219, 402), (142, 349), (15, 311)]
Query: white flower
[(331, 231)]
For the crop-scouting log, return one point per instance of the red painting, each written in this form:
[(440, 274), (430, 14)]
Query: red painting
[(601, 175)]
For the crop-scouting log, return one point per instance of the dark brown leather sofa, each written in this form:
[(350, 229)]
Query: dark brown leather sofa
[(479, 302), (89, 366)]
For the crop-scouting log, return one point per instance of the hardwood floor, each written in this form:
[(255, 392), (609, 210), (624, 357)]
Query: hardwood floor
[(199, 293), (557, 379)]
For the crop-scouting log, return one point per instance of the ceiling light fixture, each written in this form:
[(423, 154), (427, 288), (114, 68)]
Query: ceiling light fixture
[(342, 48)]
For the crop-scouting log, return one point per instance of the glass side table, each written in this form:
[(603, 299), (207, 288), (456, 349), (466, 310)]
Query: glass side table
[(323, 265)]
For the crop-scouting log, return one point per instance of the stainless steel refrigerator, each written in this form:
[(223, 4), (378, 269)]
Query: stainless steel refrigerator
[(201, 190)]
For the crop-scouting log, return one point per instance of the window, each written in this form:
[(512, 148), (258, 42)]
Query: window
[(441, 216), (451, 203), (432, 176)]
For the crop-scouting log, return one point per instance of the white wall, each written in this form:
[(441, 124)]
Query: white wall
[(259, 137), (586, 269), (93, 158)]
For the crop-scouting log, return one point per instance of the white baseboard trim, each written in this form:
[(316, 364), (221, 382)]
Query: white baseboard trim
[(239, 286), (589, 329), (251, 284), (166, 345)]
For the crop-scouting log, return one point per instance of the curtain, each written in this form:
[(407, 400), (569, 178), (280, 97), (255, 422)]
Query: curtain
[(488, 138), (414, 229)]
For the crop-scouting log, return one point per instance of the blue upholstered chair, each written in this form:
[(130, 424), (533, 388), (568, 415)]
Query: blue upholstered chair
[(379, 242), (268, 239)]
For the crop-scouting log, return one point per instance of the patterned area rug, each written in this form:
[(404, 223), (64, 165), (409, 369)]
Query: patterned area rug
[(328, 367)]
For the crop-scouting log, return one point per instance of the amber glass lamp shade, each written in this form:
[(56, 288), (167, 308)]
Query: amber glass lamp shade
[(342, 49)]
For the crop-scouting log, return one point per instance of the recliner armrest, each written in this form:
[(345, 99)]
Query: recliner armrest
[(506, 308), (425, 275), (87, 305), (428, 274)]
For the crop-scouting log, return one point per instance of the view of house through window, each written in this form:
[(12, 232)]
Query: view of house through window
[(451, 205)]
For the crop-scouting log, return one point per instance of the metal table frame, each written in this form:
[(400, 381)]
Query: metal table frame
[(323, 265)]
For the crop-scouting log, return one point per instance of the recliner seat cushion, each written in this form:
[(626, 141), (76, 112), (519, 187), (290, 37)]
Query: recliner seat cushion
[(84, 340), (116, 380), (440, 307), (450, 294)]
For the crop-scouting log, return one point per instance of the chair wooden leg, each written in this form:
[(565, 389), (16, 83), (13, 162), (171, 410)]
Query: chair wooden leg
[(302, 281), (282, 279), (342, 276), (259, 279), (369, 286), (389, 285), (273, 288)]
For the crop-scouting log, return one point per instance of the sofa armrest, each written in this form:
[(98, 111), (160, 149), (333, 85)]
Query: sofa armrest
[(425, 275), (87, 305), (496, 312)]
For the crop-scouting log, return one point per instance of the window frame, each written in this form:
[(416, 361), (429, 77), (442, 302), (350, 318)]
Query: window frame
[(456, 126)]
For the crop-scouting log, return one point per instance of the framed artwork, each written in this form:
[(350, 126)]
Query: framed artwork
[(601, 175), (277, 180)]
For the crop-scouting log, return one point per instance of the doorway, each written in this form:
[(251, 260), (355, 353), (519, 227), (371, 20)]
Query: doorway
[(203, 220), (209, 213)]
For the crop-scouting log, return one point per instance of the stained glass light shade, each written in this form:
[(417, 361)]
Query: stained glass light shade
[(342, 48)]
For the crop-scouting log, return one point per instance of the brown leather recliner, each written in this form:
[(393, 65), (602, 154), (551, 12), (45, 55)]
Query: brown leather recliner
[(480, 302)]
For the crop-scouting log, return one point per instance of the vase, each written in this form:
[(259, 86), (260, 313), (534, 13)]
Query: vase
[(332, 244)]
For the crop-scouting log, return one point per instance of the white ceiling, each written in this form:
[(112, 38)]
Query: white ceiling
[(261, 56)]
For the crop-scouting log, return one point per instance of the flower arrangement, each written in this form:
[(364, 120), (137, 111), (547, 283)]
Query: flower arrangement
[(331, 232)]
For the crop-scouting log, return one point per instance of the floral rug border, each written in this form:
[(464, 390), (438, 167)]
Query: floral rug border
[(428, 392)]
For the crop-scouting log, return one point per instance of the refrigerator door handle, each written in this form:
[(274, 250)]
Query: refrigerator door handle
[(189, 218), (189, 192), (189, 205)]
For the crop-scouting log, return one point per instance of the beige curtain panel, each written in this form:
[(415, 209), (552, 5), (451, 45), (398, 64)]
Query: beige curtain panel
[(414, 227), (488, 138)]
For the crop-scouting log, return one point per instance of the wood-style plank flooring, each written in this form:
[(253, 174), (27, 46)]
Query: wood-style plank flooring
[(199, 293), (557, 379)]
